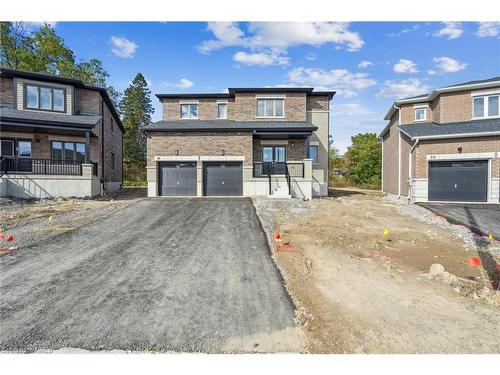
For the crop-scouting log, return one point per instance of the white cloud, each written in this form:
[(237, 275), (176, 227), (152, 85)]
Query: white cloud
[(122, 47), (405, 66), (350, 109), (488, 29), (402, 89), (450, 30), (310, 56), (226, 34), (407, 30), (364, 64), (341, 80), (448, 65), (184, 83), (52, 24), (431, 72), (278, 36), (260, 58)]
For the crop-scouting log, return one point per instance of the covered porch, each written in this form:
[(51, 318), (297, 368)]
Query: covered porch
[(282, 163), (42, 160)]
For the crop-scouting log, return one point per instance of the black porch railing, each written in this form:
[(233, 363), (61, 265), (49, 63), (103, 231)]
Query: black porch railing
[(16, 165), (265, 169)]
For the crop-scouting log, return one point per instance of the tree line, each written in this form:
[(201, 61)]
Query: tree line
[(360, 166)]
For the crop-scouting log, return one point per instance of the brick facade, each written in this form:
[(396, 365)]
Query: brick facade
[(7, 91), (450, 146), (445, 108), (243, 107), (86, 102), (317, 103), (295, 150), (200, 144)]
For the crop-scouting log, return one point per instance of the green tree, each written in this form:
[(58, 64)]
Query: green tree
[(137, 110), (43, 51), (364, 159)]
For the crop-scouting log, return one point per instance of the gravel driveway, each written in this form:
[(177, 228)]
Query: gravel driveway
[(161, 275)]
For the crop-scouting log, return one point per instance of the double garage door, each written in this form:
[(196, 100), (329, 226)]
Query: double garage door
[(459, 181), (219, 179)]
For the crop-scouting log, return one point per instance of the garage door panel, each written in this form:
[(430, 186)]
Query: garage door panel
[(223, 179), (177, 179), (461, 181)]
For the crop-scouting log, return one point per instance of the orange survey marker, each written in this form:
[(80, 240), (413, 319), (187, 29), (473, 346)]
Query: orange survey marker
[(277, 236), (475, 261)]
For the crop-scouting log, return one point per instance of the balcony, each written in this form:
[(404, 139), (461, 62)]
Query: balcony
[(17, 165)]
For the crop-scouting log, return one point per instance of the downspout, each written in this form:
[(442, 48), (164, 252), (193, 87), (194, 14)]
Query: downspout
[(102, 145), (399, 151), (410, 177)]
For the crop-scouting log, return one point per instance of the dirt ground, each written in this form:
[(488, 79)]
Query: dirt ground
[(32, 222), (358, 291)]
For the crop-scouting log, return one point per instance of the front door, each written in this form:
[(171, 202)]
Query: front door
[(273, 159)]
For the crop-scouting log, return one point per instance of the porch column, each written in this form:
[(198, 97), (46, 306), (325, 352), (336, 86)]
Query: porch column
[(87, 147)]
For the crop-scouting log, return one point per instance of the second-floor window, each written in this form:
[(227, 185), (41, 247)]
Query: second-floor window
[(44, 98), (189, 111), (270, 107), (486, 106), (222, 110), (420, 114)]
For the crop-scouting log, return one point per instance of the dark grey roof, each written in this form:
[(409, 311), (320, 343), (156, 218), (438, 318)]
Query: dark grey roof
[(232, 91), (494, 79), (229, 125), (416, 97), (433, 129), (10, 114)]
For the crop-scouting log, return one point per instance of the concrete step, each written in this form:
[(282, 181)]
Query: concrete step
[(280, 196)]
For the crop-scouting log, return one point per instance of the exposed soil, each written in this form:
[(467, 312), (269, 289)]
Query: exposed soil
[(360, 291), (33, 221)]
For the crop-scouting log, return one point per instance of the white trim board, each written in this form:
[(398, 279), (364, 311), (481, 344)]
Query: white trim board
[(465, 156), (222, 158), (175, 158)]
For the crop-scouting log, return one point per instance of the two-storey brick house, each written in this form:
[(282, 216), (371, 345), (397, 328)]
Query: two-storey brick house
[(249, 141), (445, 146), (58, 137)]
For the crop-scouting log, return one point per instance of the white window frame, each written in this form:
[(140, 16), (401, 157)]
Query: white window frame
[(218, 104), (420, 108), (274, 99), (189, 117), (486, 106)]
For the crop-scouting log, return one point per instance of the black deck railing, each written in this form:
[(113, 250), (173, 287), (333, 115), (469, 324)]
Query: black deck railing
[(16, 165), (266, 169)]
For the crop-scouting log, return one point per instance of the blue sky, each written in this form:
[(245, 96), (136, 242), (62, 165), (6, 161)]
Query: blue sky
[(369, 64)]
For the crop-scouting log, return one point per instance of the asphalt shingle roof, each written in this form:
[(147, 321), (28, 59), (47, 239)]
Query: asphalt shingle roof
[(229, 125), (465, 127), (12, 114)]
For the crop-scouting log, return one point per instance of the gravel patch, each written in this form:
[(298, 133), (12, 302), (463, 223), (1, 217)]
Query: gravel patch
[(274, 213)]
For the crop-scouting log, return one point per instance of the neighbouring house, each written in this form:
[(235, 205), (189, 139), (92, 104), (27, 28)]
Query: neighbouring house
[(59, 137), (445, 146), (249, 141)]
